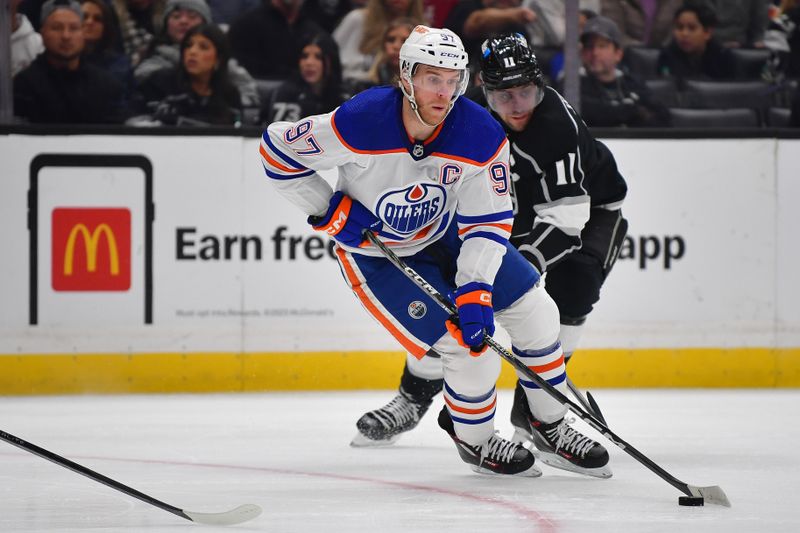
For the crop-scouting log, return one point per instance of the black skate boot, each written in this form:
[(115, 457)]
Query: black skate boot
[(559, 445), (497, 456), (384, 426)]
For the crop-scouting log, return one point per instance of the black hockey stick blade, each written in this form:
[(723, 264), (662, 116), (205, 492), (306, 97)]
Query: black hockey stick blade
[(589, 405), (595, 408), (715, 494), (243, 513)]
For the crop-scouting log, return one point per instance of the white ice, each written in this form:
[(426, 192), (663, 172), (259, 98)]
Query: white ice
[(289, 453)]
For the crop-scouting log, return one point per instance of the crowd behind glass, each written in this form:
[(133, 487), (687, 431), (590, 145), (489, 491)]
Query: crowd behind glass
[(645, 63)]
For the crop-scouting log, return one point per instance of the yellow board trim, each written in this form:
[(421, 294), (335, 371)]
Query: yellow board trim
[(283, 371)]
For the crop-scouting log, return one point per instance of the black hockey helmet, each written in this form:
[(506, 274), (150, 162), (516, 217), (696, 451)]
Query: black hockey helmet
[(507, 61)]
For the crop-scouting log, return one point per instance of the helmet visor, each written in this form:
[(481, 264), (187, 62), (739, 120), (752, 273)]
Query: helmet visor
[(445, 82), (514, 101)]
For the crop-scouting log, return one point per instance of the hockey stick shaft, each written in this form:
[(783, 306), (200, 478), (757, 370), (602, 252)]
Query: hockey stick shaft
[(242, 513), (711, 493)]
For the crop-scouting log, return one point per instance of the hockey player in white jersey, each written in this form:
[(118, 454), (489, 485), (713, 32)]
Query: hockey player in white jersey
[(427, 171), (567, 222)]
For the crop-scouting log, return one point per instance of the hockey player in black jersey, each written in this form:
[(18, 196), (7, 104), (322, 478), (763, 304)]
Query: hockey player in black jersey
[(567, 195)]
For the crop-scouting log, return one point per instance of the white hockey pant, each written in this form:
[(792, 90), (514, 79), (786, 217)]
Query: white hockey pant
[(532, 323)]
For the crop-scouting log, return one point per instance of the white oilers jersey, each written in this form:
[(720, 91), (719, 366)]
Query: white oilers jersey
[(416, 188)]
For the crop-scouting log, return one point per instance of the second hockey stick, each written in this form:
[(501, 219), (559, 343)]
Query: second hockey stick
[(243, 513), (712, 494)]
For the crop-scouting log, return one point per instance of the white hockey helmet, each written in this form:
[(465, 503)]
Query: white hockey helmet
[(434, 47)]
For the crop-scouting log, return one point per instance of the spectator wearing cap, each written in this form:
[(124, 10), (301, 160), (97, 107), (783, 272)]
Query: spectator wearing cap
[(58, 87), (609, 96), (180, 16), (266, 40), (693, 52), (642, 22)]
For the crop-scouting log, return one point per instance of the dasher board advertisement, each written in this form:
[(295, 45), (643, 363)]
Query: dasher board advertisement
[(90, 232)]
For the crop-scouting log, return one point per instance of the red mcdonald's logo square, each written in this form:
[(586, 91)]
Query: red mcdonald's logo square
[(91, 249)]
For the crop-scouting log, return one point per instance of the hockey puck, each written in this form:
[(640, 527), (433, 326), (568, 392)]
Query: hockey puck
[(691, 501)]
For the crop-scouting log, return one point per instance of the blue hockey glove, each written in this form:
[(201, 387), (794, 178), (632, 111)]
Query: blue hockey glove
[(475, 317), (346, 220)]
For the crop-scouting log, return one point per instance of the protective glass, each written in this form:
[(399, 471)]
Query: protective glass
[(514, 100)]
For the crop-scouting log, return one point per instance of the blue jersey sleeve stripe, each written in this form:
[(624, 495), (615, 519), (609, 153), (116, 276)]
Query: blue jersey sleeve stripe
[(280, 154), (487, 235), (491, 217)]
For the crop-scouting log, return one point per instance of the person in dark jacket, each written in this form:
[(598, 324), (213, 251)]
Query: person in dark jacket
[(59, 86), (102, 42), (693, 52), (199, 90), (611, 97), (266, 40), (315, 88)]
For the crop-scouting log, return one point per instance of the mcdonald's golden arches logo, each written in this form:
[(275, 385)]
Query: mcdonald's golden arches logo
[(91, 249)]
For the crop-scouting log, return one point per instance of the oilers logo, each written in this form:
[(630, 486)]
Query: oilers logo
[(417, 309), (411, 208)]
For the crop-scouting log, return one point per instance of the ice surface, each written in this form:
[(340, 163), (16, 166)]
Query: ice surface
[(289, 453)]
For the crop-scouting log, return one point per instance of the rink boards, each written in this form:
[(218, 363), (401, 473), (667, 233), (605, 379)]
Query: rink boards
[(214, 283)]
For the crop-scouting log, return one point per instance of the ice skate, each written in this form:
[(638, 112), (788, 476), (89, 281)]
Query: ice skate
[(382, 427), (497, 456), (558, 444)]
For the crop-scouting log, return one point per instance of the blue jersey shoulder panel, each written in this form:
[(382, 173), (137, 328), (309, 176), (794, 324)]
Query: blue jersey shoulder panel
[(371, 120), (470, 132)]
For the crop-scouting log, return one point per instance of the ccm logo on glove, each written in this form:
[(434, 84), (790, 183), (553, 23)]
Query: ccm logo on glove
[(346, 220)]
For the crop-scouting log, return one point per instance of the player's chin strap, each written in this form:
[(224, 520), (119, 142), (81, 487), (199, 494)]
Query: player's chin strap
[(414, 107)]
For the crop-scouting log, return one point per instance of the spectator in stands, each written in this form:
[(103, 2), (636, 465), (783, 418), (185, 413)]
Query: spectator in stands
[(549, 27), (316, 86), (783, 38), (267, 39), (180, 16), (741, 23), (360, 34), (102, 48), (224, 12), (139, 22), (26, 44), (58, 87), (329, 13), (437, 11), (32, 10), (198, 91), (794, 119), (386, 68), (694, 53), (609, 97), (476, 20), (642, 22)]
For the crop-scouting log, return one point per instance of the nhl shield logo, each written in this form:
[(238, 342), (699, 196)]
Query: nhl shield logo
[(417, 309), (418, 150)]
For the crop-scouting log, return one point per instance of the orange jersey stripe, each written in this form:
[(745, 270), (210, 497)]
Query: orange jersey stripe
[(549, 366), (275, 163), (355, 283), (470, 161), (504, 227), (471, 411)]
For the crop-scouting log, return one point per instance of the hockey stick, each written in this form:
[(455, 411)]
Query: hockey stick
[(588, 405), (243, 513), (713, 494)]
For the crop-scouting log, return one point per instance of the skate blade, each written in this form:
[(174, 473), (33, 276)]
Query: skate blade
[(362, 441), (533, 471), (556, 461)]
